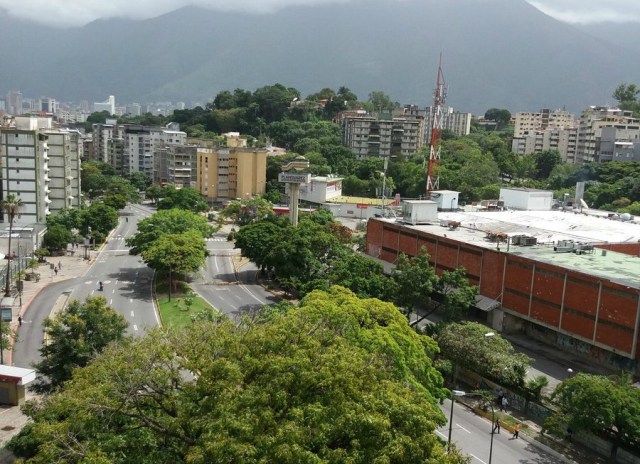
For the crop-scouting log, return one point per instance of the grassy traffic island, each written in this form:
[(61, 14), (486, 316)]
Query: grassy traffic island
[(185, 306)]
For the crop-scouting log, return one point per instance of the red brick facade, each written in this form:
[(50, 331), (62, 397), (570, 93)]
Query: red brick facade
[(591, 309)]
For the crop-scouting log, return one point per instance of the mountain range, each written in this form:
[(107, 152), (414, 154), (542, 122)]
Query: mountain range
[(495, 53)]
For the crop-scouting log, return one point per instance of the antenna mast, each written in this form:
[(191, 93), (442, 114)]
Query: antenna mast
[(433, 168)]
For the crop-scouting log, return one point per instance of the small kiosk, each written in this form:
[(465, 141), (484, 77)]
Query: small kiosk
[(12, 384)]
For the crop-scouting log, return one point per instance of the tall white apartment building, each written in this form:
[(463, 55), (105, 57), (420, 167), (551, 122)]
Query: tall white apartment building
[(372, 135), (455, 121), (25, 168), (527, 123), (592, 121), (131, 148), (565, 141), (546, 130), (108, 105), (102, 135), (65, 153)]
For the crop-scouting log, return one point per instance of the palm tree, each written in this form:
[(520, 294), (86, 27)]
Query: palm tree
[(11, 206)]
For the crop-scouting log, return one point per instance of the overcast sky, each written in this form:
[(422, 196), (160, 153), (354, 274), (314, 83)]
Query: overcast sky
[(79, 12)]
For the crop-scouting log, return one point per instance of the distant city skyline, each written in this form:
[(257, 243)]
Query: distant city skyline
[(70, 13)]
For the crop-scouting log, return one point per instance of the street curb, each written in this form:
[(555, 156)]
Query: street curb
[(154, 298), (525, 437)]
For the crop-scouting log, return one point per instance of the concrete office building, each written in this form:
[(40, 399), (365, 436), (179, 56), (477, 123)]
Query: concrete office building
[(230, 173), (573, 281)]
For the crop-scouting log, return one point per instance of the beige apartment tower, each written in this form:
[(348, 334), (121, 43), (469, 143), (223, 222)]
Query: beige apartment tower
[(230, 173)]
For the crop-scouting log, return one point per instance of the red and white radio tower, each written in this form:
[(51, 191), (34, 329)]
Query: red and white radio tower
[(433, 168)]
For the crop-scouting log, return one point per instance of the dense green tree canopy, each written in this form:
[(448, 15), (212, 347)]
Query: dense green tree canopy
[(73, 338), (248, 210), (185, 198), (182, 254), (606, 406), (350, 370), (170, 221), (57, 237), (415, 283), (468, 345)]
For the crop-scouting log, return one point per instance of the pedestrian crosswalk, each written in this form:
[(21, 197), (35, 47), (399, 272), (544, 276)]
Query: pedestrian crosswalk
[(210, 239)]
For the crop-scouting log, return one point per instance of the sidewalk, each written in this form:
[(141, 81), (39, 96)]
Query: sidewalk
[(70, 267)]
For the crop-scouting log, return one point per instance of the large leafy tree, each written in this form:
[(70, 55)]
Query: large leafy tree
[(180, 254), (100, 218), (605, 406), (171, 221), (350, 371), (475, 347), (57, 237), (185, 198), (627, 97), (248, 210), (73, 338), (257, 240), (360, 274)]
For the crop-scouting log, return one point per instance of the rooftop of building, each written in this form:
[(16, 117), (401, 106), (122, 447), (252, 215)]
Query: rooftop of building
[(361, 200), (550, 227)]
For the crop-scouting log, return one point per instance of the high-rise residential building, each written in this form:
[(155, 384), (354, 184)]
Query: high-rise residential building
[(131, 148), (381, 135), (14, 102), (456, 122), (546, 130), (108, 105), (527, 123), (619, 144), (25, 168), (102, 135), (565, 141), (133, 109), (230, 173), (65, 154), (176, 165), (592, 121), (48, 105)]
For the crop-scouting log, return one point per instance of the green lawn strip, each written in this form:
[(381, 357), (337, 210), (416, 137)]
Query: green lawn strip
[(176, 312)]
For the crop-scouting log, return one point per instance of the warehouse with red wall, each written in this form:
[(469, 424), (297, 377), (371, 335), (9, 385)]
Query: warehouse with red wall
[(597, 316)]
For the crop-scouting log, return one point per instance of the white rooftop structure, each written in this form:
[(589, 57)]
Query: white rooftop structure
[(546, 226)]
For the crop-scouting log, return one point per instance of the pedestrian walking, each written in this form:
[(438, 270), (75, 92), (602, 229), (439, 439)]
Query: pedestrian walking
[(516, 431), (496, 426), (504, 403), (55, 269), (19, 320), (59, 264)]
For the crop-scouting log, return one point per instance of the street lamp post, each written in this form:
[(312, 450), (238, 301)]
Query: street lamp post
[(493, 422), (454, 393)]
